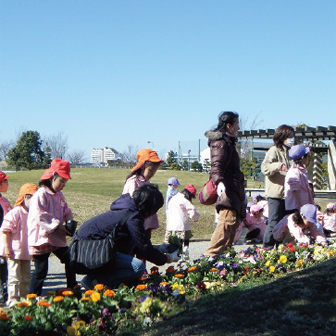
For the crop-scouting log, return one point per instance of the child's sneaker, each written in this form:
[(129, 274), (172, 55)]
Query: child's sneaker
[(185, 253)]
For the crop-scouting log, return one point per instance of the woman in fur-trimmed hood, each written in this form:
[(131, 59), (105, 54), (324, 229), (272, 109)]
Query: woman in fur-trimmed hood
[(227, 176)]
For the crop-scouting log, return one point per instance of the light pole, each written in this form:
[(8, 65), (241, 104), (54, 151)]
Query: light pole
[(151, 143), (189, 159)]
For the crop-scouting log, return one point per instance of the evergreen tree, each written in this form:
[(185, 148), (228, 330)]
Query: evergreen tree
[(170, 159), (27, 153)]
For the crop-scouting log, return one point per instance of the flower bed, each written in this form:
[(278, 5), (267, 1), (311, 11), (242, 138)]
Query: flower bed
[(157, 296)]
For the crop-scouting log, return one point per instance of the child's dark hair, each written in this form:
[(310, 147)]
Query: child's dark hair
[(148, 199), (139, 171), (187, 194), (48, 182), (328, 211), (297, 218), (299, 161)]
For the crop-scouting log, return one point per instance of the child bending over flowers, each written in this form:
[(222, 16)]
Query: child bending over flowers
[(300, 227)]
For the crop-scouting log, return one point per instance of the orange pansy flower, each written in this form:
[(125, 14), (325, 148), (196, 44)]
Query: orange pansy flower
[(141, 287), (109, 293), (99, 287), (89, 292), (179, 275), (28, 318), (58, 298), (31, 296)]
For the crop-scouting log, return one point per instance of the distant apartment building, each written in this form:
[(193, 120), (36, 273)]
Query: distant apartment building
[(104, 155)]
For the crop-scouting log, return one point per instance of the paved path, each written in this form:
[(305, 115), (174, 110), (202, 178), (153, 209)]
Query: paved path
[(56, 275)]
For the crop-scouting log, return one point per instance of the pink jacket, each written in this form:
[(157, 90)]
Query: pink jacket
[(179, 211), (47, 210), (5, 204), (297, 190), (281, 228), (299, 234), (132, 183), (15, 222), (251, 224), (329, 222)]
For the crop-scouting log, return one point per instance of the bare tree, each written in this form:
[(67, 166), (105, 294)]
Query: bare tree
[(57, 144), (162, 154), (129, 156), (5, 146), (76, 157), (245, 146)]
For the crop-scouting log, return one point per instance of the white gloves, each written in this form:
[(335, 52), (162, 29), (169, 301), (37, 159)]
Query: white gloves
[(220, 189), (173, 256)]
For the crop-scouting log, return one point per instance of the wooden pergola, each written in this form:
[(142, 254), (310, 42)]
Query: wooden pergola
[(310, 135), (301, 133)]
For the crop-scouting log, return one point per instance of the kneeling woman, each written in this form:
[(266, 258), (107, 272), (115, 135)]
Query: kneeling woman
[(131, 238), (300, 227)]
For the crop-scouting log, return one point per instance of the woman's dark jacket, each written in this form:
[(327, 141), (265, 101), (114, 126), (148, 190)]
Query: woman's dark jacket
[(225, 167), (131, 237)]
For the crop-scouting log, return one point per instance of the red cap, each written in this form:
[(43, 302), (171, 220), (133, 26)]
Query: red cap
[(191, 189), (3, 176), (144, 155), (59, 166)]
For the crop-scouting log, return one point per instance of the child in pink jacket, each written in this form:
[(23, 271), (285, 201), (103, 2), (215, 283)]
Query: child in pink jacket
[(297, 189), (5, 207), (14, 235), (255, 223), (146, 167), (300, 227), (48, 211), (329, 219)]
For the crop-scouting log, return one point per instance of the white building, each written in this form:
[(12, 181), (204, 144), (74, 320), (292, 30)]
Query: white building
[(104, 155)]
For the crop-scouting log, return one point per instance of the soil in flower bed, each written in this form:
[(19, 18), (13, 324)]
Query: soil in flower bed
[(302, 303)]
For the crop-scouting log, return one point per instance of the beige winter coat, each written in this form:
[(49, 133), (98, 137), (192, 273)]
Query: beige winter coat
[(270, 167)]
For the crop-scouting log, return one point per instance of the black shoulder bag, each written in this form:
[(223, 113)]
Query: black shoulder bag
[(93, 255)]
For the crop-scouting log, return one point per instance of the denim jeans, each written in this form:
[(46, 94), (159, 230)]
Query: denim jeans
[(126, 269)]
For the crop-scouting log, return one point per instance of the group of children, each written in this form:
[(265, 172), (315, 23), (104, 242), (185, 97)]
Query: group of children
[(31, 230), (303, 222), (35, 227)]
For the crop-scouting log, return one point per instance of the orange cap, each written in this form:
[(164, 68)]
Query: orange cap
[(26, 189), (3, 176), (144, 155), (59, 166)]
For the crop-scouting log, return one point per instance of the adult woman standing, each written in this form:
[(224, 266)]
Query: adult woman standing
[(275, 166), (225, 173)]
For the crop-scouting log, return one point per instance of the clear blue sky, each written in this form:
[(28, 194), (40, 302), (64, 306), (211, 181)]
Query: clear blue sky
[(118, 73)]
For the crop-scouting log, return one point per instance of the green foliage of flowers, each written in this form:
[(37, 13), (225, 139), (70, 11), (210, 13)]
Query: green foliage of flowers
[(103, 311)]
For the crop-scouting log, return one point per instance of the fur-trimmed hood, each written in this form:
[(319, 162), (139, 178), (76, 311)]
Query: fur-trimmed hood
[(218, 135), (214, 135)]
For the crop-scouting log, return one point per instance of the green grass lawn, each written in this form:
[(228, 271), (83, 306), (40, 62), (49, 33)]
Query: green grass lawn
[(92, 190), (302, 303)]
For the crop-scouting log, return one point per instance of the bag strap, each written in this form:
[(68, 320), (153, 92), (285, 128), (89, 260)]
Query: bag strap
[(122, 221)]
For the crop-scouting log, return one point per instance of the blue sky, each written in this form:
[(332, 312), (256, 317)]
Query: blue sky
[(120, 73)]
